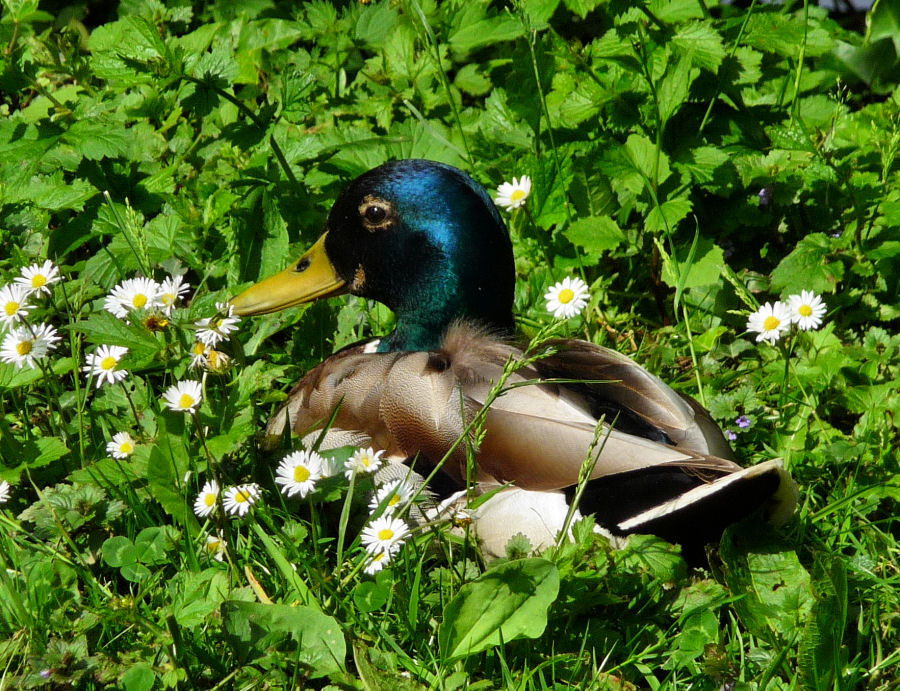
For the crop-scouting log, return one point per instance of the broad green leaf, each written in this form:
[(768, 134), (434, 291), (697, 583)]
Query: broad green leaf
[(772, 587), (884, 23), (700, 44), (672, 91), (98, 139), (666, 217), (507, 602), (151, 544), (595, 234), (704, 270), (118, 551), (809, 266), (821, 655), (305, 635), (139, 677)]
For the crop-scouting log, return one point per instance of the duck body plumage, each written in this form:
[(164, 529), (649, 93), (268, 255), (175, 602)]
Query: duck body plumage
[(426, 240)]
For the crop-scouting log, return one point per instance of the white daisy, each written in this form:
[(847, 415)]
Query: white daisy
[(212, 330), (38, 278), (362, 461), (393, 495), (5, 492), (171, 290), (807, 310), (513, 195), (384, 534), (238, 500), (184, 396), (132, 294), (198, 355), (104, 364), (13, 305), (567, 298), (376, 562), (769, 321), (121, 446), (23, 345), (205, 503), (215, 546), (299, 472)]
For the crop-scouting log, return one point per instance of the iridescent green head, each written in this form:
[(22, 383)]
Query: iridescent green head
[(422, 238)]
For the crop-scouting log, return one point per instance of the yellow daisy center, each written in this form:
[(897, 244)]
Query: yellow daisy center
[(394, 500), (771, 323), (198, 349), (168, 298), (385, 534), (126, 447), (24, 347), (805, 310), (210, 499), (11, 308), (186, 401), (214, 545), (108, 363), (566, 295), (139, 300), (241, 497), (301, 473), (38, 281), (517, 195)]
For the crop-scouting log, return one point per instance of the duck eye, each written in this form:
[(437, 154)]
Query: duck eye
[(375, 214)]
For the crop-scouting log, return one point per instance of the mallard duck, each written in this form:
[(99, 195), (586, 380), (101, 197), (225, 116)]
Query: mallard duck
[(427, 241)]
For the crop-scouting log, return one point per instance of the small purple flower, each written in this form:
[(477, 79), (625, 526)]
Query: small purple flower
[(729, 435), (743, 422), (765, 195), (45, 673)]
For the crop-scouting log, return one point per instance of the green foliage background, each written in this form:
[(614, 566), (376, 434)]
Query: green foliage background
[(689, 159)]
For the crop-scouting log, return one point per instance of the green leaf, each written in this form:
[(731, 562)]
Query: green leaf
[(666, 217), (139, 677), (317, 642), (673, 88), (705, 268), (809, 267), (821, 656), (507, 602), (595, 235), (369, 596), (701, 44), (102, 328), (118, 551), (152, 543), (98, 139), (772, 587)]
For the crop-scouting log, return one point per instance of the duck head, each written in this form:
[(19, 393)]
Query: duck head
[(422, 238)]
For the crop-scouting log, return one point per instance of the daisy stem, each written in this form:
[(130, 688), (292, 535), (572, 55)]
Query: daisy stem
[(137, 420)]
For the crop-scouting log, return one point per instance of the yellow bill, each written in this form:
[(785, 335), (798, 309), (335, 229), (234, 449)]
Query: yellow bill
[(309, 278)]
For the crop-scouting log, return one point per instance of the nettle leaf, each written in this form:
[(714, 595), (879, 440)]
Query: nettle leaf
[(808, 267), (130, 49), (701, 44), (310, 638), (771, 587), (52, 192), (705, 267), (673, 89), (821, 657), (98, 139), (472, 28), (375, 24), (507, 602), (595, 235), (667, 216)]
